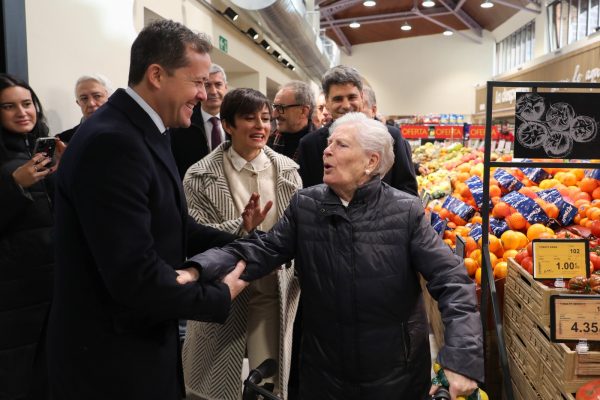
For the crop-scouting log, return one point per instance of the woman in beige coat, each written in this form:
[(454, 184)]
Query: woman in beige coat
[(217, 189)]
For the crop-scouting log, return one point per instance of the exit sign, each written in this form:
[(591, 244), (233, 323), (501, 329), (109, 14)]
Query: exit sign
[(222, 44)]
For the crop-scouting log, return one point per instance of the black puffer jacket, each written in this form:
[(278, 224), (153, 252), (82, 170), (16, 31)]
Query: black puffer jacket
[(26, 269), (365, 330)]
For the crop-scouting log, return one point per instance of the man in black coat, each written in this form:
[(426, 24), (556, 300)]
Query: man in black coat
[(123, 233), (343, 89), (190, 145)]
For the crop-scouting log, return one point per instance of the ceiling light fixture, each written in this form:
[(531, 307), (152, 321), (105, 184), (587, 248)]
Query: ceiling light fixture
[(291, 67), (406, 27), (354, 25), (369, 3), (252, 33), (231, 14), (448, 32), (265, 44), (285, 62), (276, 55), (428, 3), (487, 4)]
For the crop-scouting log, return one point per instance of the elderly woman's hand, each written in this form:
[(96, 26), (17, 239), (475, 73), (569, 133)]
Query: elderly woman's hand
[(460, 385), (253, 215), (32, 171)]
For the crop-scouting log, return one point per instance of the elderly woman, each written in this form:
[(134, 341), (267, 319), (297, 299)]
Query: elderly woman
[(359, 246), (217, 190)]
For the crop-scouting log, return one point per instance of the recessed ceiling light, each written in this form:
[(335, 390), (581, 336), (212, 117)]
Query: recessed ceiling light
[(369, 3), (487, 4), (406, 27), (448, 32), (354, 25), (428, 3), (266, 45), (252, 33), (231, 14)]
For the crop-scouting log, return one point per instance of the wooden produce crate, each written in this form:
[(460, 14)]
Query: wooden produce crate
[(534, 295), (528, 343)]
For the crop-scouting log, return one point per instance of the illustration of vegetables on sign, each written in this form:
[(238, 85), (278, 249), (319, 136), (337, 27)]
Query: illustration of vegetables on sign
[(557, 125)]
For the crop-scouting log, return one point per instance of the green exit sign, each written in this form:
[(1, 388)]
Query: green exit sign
[(222, 44)]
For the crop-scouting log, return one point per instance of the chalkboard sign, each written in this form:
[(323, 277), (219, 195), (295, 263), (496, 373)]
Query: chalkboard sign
[(557, 125)]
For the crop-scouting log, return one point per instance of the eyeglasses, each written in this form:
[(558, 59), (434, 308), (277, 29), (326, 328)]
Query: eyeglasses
[(282, 107)]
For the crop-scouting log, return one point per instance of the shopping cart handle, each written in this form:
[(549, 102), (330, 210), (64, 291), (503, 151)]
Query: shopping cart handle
[(251, 389)]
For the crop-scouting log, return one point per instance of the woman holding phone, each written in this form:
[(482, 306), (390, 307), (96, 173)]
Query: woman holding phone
[(26, 243)]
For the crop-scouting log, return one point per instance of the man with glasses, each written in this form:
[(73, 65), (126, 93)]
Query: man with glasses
[(189, 145), (292, 109), (91, 91)]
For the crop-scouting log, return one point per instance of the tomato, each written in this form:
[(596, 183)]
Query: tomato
[(520, 256), (527, 264), (589, 391), (595, 229), (594, 262), (578, 284), (530, 249)]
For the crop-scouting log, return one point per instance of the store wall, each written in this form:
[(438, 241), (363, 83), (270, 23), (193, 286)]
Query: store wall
[(427, 74), (69, 38)]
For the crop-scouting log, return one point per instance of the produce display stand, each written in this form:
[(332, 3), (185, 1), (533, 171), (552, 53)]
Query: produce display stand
[(532, 302)]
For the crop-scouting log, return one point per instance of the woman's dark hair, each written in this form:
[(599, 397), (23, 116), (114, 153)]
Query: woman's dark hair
[(40, 129), (242, 101)]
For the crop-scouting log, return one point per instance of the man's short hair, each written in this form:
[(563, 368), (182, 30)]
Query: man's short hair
[(369, 96), (341, 75), (242, 101), (215, 69), (302, 94), (102, 80), (164, 43)]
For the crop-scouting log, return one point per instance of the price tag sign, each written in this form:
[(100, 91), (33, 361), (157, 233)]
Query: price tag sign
[(574, 317), (560, 258)]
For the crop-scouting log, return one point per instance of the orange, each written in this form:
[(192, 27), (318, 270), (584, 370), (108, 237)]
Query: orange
[(476, 255), (459, 221), (471, 266), (449, 243), (535, 230), (581, 196), (551, 210), (590, 211), (513, 240), (476, 220), (501, 210), (495, 191), (596, 193), (470, 245), (578, 172), (588, 185), (569, 179), (501, 270), (548, 183), (478, 276), (510, 254), (516, 221)]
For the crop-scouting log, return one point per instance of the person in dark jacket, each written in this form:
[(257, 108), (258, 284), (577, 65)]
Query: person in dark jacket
[(123, 233), (359, 247), (26, 242), (343, 89)]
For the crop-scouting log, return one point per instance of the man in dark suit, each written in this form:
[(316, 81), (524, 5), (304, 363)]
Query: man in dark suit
[(190, 145), (343, 89), (123, 233)]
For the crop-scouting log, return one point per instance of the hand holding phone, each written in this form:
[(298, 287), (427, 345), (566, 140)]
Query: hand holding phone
[(46, 145)]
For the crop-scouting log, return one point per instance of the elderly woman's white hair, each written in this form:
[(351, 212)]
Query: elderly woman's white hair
[(372, 136)]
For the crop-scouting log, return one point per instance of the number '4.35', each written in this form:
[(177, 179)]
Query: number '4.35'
[(585, 327)]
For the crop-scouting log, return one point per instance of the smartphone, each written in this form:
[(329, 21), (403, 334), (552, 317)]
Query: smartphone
[(46, 145)]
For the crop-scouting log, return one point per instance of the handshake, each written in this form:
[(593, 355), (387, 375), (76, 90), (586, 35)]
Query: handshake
[(232, 279)]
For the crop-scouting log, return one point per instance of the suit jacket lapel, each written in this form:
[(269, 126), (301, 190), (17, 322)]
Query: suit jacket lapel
[(158, 143)]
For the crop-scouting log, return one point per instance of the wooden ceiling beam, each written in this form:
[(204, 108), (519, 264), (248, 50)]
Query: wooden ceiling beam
[(390, 17), (347, 46), (463, 17)]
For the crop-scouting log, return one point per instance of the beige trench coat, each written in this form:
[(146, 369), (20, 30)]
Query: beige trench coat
[(213, 353)]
